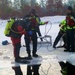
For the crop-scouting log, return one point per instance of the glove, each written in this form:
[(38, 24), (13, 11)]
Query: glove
[(30, 32), (46, 22)]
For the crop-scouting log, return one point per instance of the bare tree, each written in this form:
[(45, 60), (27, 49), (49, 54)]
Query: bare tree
[(71, 3), (33, 2), (54, 7), (17, 4), (5, 8)]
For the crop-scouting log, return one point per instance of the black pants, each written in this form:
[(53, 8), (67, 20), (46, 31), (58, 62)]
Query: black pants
[(60, 34), (70, 40), (64, 38), (32, 38)]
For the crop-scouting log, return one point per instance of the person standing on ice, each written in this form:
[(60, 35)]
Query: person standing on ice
[(70, 29), (16, 31), (34, 22)]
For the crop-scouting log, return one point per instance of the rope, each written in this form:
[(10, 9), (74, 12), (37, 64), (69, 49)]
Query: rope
[(46, 32), (17, 32), (47, 69)]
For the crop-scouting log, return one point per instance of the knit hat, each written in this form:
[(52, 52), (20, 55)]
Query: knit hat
[(70, 8)]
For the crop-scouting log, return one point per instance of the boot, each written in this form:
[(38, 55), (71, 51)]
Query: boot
[(35, 55)]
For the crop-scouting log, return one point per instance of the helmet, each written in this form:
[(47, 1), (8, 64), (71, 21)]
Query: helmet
[(33, 11), (70, 8)]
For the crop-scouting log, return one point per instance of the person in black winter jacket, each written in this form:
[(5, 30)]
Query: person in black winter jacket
[(33, 29)]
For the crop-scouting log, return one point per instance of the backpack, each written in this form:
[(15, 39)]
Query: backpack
[(7, 30), (70, 21)]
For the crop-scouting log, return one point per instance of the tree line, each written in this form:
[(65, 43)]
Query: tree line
[(20, 8)]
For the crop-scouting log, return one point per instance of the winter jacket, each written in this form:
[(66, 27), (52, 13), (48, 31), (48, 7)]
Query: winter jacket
[(35, 21), (63, 25)]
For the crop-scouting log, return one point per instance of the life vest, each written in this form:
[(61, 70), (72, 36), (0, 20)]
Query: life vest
[(34, 22), (70, 21)]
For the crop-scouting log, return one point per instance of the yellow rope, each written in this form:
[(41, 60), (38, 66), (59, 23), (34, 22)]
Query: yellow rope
[(17, 32)]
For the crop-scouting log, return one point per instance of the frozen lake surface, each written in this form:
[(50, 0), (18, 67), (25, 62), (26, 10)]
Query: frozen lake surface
[(49, 65)]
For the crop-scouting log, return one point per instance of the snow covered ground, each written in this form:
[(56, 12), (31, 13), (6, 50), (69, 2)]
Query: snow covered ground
[(49, 66)]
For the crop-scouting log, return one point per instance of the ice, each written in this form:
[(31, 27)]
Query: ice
[(51, 56), (71, 59)]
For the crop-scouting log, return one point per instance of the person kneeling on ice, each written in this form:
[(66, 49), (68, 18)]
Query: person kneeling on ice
[(61, 33), (16, 30)]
